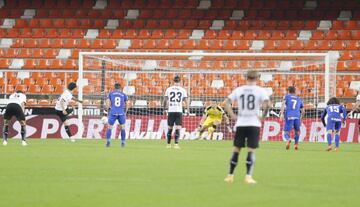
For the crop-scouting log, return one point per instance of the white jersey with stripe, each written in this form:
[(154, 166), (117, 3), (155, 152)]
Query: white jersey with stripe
[(175, 96), (18, 98), (66, 97), (249, 99)]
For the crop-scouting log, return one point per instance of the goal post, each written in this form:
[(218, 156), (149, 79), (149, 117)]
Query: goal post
[(206, 76)]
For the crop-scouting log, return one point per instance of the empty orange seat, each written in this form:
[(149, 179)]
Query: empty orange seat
[(243, 45), (176, 44), (149, 44), (44, 43), (44, 102), (189, 44), (157, 34), (83, 43), (109, 44), (29, 64), (57, 43), (344, 35), (324, 45), (216, 45), (350, 93), (277, 35), (170, 34), (70, 64), (34, 89), (237, 35), (47, 89), (50, 53), (163, 44), (183, 34), (56, 64), (353, 45), (338, 45), (230, 45), (117, 34), (297, 45), (143, 34), (130, 34), (4, 63), (136, 44)]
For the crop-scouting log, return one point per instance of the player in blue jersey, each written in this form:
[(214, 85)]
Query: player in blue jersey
[(292, 110), (336, 114), (116, 104)]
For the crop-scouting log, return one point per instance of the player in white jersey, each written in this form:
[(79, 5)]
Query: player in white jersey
[(62, 108), (15, 107), (356, 108), (174, 97), (250, 99)]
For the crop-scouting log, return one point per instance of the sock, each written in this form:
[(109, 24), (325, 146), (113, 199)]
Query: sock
[(177, 135), (168, 136), (68, 132), (233, 162), (337, 140), (6, 132), (250, 161), (123, 136), (328, 135), (23, 133), (297, 137), (108, 135), (286, 136)]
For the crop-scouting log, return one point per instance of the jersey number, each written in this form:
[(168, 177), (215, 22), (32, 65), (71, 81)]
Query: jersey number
[(250, 101), (175, 97), (294, 103), (334, 109), (117, 101)]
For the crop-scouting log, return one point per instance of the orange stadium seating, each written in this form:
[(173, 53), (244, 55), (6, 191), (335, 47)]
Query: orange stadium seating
[(168, 25)]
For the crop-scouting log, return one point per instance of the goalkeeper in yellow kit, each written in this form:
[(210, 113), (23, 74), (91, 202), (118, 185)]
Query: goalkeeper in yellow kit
[(211, 119)]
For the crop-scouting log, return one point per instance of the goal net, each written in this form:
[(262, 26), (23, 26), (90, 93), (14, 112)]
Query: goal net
[(207, 77)]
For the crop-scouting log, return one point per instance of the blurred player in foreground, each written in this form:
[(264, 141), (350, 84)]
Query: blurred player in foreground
[(336, 114), (292, 110), (250, 98), (117, 105), (211, 119), (15, 107)]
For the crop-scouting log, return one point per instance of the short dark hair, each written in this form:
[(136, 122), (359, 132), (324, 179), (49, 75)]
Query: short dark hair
[(291, 89), (333, 100), (72, 86), (252, 75), (19, 91), (177, 79), (117, 86)]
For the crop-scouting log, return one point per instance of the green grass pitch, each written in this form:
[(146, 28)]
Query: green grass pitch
[(60, 173)]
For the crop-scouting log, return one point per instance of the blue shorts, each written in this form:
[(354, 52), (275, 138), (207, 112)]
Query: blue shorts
[(113, 117), (333, 125), (293, 123)]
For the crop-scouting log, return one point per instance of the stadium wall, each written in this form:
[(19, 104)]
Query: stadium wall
[(155, 127)]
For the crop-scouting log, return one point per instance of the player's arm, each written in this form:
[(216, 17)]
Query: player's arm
[(323, 114), (187, 105), (227, 120), (164, 104), (344, 113), (76, 99), (282, 109), (63, 106), (266, 105), (356, 106), (229, 109)]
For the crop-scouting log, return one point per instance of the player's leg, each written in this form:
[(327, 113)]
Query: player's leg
[(20, 116), (170, 123), (337, 135), (7, 117), (239, 142), (111, 122), (213, 127), (64, 119), (286, 133), (178, 123), (122, 121), (252, 134), (5, 131), (329, 133), (297, 125), (204, 126)]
